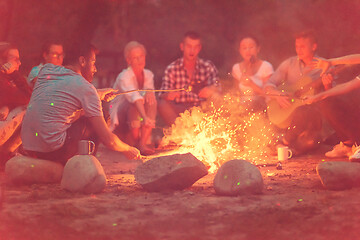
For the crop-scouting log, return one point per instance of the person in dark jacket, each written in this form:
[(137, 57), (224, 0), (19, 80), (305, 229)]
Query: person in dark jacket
[(14, 96)]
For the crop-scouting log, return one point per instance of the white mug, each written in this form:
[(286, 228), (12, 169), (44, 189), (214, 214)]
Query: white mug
[(86, 147), (284, 153)]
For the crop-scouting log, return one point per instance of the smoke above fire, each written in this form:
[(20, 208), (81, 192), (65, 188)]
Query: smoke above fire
[(224, 128)]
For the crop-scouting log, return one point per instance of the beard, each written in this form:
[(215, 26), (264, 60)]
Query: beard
[(89, 76)]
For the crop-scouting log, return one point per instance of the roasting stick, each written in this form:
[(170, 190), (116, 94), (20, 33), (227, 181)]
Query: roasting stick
[(148, 90), (189, 89), (151, 90), (271, 95)]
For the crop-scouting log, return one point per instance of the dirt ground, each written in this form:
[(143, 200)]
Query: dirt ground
[(294, 205)]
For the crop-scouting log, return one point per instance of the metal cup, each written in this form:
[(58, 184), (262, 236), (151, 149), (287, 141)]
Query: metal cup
[(86, 147)]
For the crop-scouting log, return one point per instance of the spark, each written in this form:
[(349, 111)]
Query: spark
[(228, 129)]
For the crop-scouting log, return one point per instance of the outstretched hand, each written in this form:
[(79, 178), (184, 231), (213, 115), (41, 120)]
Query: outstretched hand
[(170, 96), (312, 99), (327, 80), (132, 153), (8, 67), (106, 94), (308, 100), (149, 122), (4, 112), (150, 98), (322, 64), (207, 91)]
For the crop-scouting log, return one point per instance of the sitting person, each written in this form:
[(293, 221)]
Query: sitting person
[(52, 52), (65, 108), (190, 71), (252, 73), (137, 109), (14, 96), (343, 115), (302, 126)]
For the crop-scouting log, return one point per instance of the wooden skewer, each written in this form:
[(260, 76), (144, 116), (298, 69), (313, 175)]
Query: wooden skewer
[(151, 90), (188, 89)]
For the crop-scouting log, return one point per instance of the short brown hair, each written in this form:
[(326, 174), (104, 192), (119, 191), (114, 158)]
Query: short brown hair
[(5, 51), (193, 35), (255, 39), (309, 34), (79, 49), (47, 45)]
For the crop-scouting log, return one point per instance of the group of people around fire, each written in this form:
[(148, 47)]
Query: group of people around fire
[(56, 106)]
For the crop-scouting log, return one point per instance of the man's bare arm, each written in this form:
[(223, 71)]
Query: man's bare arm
[(110, 140), (349, 59), (170, 96), (325, 64), (208, 91), (337, 90)]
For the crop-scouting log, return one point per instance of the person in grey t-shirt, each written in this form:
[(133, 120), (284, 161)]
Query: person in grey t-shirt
[(65, 108)]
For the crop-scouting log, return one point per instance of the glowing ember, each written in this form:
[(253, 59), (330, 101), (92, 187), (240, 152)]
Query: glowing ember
[(222, 130)]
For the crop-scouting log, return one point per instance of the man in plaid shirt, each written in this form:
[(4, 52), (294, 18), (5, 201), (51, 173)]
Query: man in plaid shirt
[(199, 76)]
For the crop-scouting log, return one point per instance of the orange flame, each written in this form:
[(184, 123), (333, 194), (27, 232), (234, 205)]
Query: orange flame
[(225, 129)]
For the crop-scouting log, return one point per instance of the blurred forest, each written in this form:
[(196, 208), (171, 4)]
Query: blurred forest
[(160, 25)]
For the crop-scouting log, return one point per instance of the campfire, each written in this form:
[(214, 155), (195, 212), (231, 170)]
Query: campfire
[(223, 129)]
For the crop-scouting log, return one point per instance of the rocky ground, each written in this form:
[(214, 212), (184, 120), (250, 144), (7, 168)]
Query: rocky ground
[(293, 205)]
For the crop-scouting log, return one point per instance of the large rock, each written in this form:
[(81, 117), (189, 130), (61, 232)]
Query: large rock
[(339, 175), (83, 173), (27, 170), (173, 172), (237, 177)]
